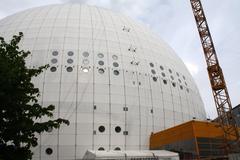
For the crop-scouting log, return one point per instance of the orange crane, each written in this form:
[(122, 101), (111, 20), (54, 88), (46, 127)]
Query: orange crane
[(226, 118)]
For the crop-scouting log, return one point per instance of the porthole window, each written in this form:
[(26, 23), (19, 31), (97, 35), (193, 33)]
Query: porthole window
[(177, 74), (165, 81), (151, 64), (186, 83), (181, 87), (85, 61), (170, 71), (54, 60), (55, 53), (100, 70), (101, 63), (100, 55), (49, 151), (117, 149), (115, 64), (154, 79), (187, 90), (116, 72), (161, 67), (69, 69), (70, 53), (163, 74), (85, 54), (85, 69), (101, 149), (53, 69), (115, 57), (153, 71), (179, 80), (172, 77), (184, 77), (69, 61), (101, 129), (117, 129), (174, 84)]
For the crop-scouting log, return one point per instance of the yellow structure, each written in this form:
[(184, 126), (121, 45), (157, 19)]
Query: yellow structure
[(192, 140)]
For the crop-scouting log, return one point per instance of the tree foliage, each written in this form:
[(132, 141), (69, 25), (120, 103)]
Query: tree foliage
[(20, 110)]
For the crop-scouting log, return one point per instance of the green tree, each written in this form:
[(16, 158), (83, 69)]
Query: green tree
[(19, 107)]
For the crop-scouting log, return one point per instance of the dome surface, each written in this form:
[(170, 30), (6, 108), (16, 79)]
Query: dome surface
[(115, 80)]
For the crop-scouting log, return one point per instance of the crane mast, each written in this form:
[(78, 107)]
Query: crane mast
[(219, 89)]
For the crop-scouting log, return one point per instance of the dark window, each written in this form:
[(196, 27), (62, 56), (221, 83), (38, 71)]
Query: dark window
[(117, 129), (70, 53), (101, 149), (151, 64), (49, 151), (53, 69), (101, 128), (69, 69), (116, 72)]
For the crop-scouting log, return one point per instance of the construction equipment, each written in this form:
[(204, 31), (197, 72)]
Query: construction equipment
[(226, 118)]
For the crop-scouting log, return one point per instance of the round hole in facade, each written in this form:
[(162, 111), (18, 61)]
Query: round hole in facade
[(85, 61), (70, 53), (55, 53), (184, 77), (170, 71), (174, 84), (187, 90), (100, 55), (54, 60), (114, 57), (117, 149), (181, 87), (116, 72), (101, 63), (172, 77), (179, 80), (153, 71), (161, 67), (49, 151), (85, 54), (101, 129), (177, 74), (151, 64), (100, 70), (69, 61), (69, 69), (85, 69), (186, 83), (101, 149), (115, 64), (53, 69), (155, 79), (165, 81), (163, 74), (117, 129)]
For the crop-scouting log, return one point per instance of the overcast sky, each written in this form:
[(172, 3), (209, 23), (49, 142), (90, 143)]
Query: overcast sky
[(173, 21)]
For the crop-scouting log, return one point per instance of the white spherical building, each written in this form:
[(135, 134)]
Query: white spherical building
[(111, 77)]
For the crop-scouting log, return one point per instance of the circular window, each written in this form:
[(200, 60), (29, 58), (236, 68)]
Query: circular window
[(85, 61), (163, 74), (101, 128), (70, 61), (151, 64), (172, 77), (53, 69), (177, 74), (70, 53), (101, 149), (154, 79), (174, 84), (187, 90), (100, 55), (115, 57), (55, 53), (85, 54), (69, 69), (117, 129), (101, 63), (54, 60), (179, 80), (115, 64), (116, 72), (170, 71), (181, 87), (49, 151), (153, 71), (186, 83), (184, 77), (100, 70), (161, 67), (85, 69), (165, 81), (117, 149)]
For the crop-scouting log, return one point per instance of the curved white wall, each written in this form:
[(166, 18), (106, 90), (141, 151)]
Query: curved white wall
[(130, 93)]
